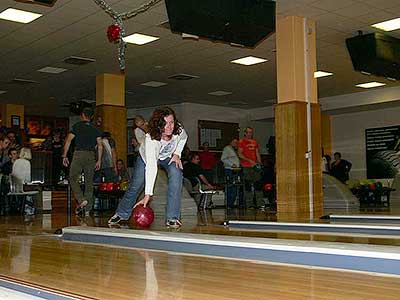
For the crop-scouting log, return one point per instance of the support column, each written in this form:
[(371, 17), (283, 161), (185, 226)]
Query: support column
[(326, 134), (296, 63), (110, 102)]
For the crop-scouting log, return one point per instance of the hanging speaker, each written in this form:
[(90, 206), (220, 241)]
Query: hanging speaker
[(242, 22), (40, 2)]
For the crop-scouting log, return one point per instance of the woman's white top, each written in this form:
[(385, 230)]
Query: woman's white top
[(152, 150), (22, 170)]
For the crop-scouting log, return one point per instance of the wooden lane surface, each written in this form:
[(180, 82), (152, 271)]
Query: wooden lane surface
[(110, 272), (18, 225)]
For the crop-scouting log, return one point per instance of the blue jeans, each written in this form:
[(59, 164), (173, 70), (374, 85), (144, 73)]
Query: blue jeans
[(174, 194), (233, 191)]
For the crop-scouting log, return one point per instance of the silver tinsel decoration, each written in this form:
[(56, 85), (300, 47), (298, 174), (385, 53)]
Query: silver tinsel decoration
[(118, 17)]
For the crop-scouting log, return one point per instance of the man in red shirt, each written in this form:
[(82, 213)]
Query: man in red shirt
[(207, 161), (250, 159)]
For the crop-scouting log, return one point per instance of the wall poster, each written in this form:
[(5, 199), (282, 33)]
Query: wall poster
[(382, 152)]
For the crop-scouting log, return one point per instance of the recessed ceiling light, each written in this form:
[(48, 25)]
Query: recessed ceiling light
[(3, 92), (249, 60), (139, 39), (220, 93), (23, 81), (20, 16), (319, 74), (52, 70), (154, 83), (76, 60), (369, 85), (182, 76), (234, 103), (388, 25)]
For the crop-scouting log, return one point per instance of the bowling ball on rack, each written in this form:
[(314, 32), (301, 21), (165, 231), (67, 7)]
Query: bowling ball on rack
[(268, 187), (124, 185), (103, 187), (143, 216), (110, 186)]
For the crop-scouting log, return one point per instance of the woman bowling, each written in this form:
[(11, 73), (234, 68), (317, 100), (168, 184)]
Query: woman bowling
[(162, 146)]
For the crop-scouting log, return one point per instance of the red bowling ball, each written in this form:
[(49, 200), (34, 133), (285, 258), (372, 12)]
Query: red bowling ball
[(143, 216)]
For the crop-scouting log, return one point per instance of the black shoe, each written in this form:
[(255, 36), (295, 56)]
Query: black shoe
[(173, 223), (115, 219), (81, 207)]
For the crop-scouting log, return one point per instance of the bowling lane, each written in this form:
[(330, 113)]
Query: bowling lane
[(101, 272)]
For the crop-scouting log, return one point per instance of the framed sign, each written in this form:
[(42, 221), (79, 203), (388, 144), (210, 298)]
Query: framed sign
[(382, 152), (15, 121), (217, 134)]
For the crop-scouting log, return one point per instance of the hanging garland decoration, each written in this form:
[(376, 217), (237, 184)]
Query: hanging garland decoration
[(116, 31)]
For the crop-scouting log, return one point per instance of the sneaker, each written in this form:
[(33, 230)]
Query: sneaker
[(81, 207), (115, 219), (175, 223)]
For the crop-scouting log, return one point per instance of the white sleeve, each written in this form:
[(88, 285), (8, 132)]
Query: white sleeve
[(224, 155), (152, 150), (181, 142), (28, 172), (140, 135)]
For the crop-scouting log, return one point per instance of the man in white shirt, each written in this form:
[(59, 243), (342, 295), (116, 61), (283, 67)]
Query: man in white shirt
[(162, 146), (233, 172)]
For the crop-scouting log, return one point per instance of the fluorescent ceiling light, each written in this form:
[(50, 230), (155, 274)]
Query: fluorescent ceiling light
[(232, 103), (220, 93), (20, 16), (52, 70), (3, 92), (319, 74), (389, 25), (249, 60), (139, 39), (369, 85), (154, 83)]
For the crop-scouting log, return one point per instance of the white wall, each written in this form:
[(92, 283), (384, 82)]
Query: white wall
[(348, 135), (262, 131)]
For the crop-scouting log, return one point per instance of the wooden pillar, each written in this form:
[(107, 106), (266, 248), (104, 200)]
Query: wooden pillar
[(296, 63), (326, 134), (110, 102)]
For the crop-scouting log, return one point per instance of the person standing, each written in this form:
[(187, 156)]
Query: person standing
[(4, 146), (232, 171), (55, 145), (162, 146), (340, 168), (108, 171), (250, 159), (86, 136), (207, 161)]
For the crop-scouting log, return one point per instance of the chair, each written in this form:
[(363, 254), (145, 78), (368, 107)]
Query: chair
[(205, 194), (17, 196)]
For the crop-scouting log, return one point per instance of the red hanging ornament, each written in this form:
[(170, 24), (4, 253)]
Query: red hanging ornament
[(114, 33)]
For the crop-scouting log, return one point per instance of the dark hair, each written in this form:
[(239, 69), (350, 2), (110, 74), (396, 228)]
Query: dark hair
[(157, 123), (3, 137), (338, 154), (11, 150), (327, 157), (88, 112), (106, 134), (11, 131), (193, 155)]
